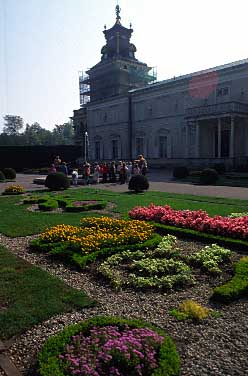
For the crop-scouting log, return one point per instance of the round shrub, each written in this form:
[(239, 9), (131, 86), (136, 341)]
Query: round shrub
[(220, 168), (2, 176), (9, 173), (180, 172), (57, 181), (138, 183), (208, 176), (121, 354)]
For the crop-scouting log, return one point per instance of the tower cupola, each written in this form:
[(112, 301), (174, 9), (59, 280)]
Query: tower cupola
[(118, 71)]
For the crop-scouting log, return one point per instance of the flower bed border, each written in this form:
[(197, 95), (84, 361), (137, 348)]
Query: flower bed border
[(50, 365), (203, 236), (82, 260)]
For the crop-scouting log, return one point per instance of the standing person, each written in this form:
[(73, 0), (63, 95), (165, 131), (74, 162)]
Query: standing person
[(52, 169), (57, 161), (129, 170), (119, 165), (74, 176), (104, 172), (87, 173), (96, 174), (112, 172), (123, 173), (136, 169), (142, 164), (63, 168)]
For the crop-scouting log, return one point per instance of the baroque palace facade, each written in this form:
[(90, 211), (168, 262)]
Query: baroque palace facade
[(198, 119)]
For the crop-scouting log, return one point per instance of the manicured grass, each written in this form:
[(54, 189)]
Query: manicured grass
[(18, 221), (29, 295)]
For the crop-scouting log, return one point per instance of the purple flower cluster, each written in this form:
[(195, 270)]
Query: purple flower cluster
[(83, 203), (113, 351)]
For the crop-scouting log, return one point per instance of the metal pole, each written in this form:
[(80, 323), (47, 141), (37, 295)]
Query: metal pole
[(85, 146)]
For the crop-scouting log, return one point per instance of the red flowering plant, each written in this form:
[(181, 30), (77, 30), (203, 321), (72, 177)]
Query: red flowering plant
[(197, 220)]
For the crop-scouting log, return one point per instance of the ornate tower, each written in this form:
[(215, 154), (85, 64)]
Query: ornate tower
[(118, 71)]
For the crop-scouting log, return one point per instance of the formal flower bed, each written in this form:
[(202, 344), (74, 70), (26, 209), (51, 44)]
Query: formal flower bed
[(105, 346), (14, 190), (92, 237), (197, 220), (76, 206), (164, 267), (52, 202)]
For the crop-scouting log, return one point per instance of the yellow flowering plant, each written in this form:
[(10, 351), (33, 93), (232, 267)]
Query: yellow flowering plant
[(14, 190), (93, 236)]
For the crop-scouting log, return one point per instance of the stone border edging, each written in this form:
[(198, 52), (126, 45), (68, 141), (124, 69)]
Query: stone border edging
[(6, 364)]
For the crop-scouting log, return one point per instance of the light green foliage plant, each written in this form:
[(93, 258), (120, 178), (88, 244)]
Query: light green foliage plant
[(211, 256), (238, 215), (190, 310), (148, 268)]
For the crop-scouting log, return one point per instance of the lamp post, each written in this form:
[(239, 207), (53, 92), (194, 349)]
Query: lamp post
[(85, 145)]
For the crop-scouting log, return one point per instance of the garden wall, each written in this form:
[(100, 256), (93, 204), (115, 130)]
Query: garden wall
[(19, 157)]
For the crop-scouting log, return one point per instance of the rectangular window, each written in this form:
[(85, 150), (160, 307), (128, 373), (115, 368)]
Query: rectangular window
[(97, 150), (139, 146), (221, 92), (224, 143), (163, 147), (114, 149)]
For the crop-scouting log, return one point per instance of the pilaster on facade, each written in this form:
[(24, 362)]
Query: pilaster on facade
[(197, 139), (232, 137), (219, 137)]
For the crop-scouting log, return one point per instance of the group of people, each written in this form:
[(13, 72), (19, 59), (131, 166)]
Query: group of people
[(112, 172), (59, 166)]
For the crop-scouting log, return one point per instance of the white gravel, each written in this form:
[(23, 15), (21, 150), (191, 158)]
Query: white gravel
[(217, 346)]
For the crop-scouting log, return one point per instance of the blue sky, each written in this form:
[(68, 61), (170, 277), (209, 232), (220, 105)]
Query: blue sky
[(44, 43)]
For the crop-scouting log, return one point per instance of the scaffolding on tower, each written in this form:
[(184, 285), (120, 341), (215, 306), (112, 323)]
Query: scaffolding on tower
[(84, 88)]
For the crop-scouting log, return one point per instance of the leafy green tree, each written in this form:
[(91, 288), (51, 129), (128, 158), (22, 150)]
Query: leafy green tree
[(13, 124), (64, 133)]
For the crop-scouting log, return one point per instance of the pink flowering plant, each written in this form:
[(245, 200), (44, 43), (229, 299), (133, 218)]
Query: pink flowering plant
[(197, 220), (109, 346), (111, 351)]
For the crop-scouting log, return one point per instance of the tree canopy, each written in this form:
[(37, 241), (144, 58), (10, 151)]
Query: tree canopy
[(34, 134)]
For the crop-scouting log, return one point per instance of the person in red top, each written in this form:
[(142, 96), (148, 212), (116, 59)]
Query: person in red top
[(105, 171)]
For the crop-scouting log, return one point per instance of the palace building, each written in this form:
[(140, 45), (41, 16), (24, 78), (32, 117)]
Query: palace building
[(197, 119)]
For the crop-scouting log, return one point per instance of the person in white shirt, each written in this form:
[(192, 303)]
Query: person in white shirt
[(74, 176)]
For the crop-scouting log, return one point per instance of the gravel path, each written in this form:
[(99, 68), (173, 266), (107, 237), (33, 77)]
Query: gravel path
[(218, 346)]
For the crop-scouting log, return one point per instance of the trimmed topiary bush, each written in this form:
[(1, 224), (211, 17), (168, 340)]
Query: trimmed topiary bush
[(180, 172), (48, 205), (57, 181), (2, 176), (85, 205), (138, 183), (9, 173), (220, 168), (208, 176), (136, 348), (235, 287)]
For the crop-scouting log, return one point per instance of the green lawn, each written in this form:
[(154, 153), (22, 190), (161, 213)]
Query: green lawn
[(29, 295), (16, 220)]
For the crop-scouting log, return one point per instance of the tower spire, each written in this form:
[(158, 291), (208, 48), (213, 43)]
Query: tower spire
[(117, 11)]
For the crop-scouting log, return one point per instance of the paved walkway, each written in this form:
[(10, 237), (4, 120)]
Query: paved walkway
[(159, 181)]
